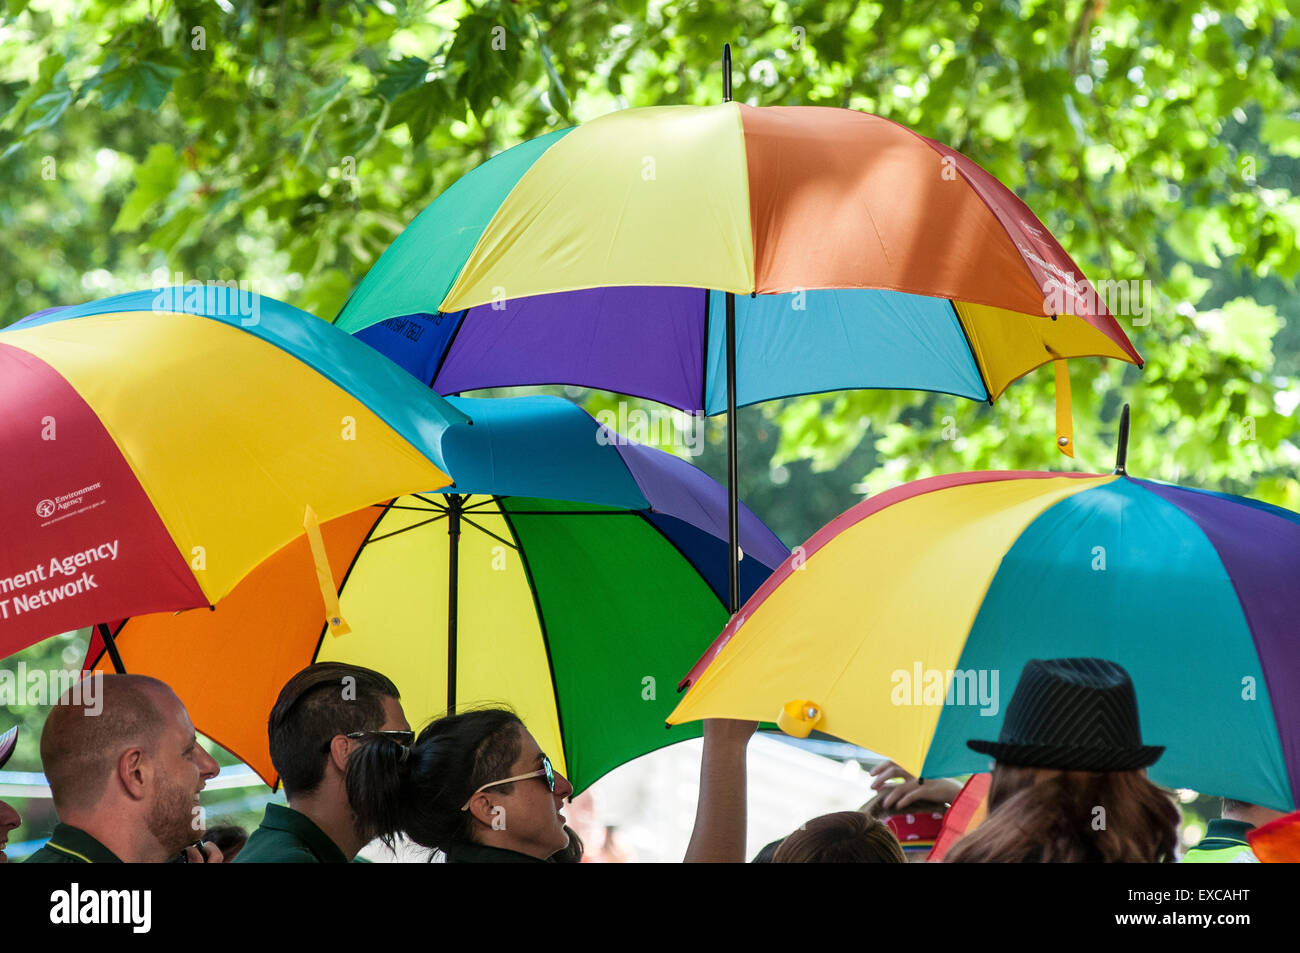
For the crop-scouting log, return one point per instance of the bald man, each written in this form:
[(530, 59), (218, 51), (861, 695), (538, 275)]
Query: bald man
[(125, 771)]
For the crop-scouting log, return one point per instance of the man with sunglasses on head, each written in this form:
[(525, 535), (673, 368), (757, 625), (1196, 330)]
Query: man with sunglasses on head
[(319, 719)]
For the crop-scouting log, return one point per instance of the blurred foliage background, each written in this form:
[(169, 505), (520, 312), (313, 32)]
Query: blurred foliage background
[(289, 142)]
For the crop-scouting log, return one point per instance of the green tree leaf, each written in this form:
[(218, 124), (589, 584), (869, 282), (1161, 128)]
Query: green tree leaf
[(155, 179)]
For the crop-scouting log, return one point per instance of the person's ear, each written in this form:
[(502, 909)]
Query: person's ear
[(135, 773), (481, 807), (340, 749)]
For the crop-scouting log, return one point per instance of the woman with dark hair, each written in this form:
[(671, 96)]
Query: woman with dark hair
[(475, 786), (845, 837), (1069, 780)]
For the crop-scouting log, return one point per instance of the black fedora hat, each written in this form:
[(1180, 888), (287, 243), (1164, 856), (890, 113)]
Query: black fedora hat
[(1072, 714)]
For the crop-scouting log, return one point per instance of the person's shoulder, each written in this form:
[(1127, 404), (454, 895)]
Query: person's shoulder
[(267, 846), (47, 855), (1231, 854), (483, 854), (280, 851), (295, 855), (285, 854)]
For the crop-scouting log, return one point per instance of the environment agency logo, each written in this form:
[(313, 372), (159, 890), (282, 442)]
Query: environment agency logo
[(69, 504)]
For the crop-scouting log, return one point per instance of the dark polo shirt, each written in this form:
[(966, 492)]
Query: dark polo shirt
[(288, 837), (1224, 842), (71, 845), (482, 854)]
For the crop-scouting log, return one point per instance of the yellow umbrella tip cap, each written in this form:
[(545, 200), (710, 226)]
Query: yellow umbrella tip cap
[(799, 717)]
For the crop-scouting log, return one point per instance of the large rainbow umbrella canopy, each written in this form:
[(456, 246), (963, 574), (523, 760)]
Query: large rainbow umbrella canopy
[(159, 445), (589, 573), (866, 255), (904, 624)]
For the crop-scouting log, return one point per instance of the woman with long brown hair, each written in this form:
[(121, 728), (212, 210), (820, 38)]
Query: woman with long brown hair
[(1069, 780)]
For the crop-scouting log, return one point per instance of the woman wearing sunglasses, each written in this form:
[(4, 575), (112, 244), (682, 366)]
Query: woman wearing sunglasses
[(475, 785)]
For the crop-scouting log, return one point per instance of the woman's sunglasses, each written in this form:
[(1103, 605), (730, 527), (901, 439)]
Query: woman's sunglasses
[(545, 770)]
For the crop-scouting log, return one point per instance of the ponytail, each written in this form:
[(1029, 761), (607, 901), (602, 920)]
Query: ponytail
[(375, 777)]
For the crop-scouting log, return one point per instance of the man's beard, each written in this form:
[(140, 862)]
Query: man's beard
[(171, 815)]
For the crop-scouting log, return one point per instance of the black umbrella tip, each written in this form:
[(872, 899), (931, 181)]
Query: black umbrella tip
[(1121, 450)]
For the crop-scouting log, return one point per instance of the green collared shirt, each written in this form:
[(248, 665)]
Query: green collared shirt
[(71, 845), (289, 837), (483, 854), (1224, 843)]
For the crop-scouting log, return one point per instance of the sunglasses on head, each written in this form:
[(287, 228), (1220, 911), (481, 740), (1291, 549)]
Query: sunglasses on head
[(403, 738), (546, 770)]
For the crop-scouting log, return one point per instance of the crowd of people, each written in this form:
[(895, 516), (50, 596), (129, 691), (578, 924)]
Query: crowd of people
[(475, 787)]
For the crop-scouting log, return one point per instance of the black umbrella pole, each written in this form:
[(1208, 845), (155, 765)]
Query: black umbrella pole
[(106, 634), (453, 591), (733, 507), (733, 517)]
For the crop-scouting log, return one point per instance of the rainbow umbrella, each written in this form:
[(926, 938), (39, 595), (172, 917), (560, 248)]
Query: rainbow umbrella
[(159, 445), (709, 257), (966, 813), (569, 573), (1278, 841), (903, 625)]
